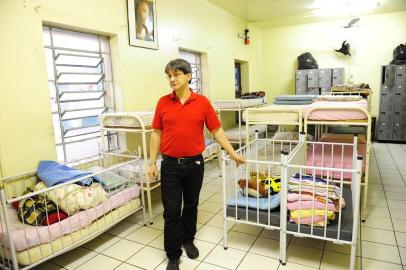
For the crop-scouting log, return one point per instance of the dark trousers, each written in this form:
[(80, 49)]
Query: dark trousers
[(177, 181)]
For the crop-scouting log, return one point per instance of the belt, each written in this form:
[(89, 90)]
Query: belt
[(182, 160)]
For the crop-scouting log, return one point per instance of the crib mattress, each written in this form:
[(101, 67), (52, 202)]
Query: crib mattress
[(26, 236), (36, 253), (332, 228), (345, 112), (333, 161), (234, 133), (127, 119), (236, 103)]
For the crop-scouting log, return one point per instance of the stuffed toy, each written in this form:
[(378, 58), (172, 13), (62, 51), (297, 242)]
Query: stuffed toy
[(260, 186)]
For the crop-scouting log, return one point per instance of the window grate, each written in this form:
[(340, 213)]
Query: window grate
[(194, 59), (81, 88)]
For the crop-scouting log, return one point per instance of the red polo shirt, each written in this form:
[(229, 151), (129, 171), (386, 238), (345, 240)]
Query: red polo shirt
[(182, 125)]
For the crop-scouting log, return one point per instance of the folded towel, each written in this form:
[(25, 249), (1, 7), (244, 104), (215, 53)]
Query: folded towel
[(308, 213), (53, 173), (271, 202)]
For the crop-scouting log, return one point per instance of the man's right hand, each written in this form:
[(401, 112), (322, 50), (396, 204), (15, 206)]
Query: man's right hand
[(152, 171)]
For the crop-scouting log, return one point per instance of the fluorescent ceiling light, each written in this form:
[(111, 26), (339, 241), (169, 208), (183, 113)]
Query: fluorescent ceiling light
[(336, 8)]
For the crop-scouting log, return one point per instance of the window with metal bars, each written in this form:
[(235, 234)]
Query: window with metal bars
[(194, 59), (81, 88)]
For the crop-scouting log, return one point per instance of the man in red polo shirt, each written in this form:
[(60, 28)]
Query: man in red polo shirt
[(178, 133)]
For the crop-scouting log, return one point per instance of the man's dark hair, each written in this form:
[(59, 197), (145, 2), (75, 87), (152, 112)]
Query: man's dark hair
[(179, 64)]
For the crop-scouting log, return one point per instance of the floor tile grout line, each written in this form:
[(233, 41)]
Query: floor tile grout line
[(250, 248), (322, 254), (396, 165), (390, 215)]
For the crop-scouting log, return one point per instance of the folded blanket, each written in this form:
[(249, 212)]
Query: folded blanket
[(72, 198), (309, 213), (304, 196), (293, 196), (339, 98), (305, 205), (271, 202), (53, 173), (292, 102), (317, 221), (113, 182)]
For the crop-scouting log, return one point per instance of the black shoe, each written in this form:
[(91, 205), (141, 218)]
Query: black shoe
[(191, 250), (172, 264)]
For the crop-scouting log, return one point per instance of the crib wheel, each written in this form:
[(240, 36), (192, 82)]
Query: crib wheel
[(225, 248), (282, 262), (151, 223)]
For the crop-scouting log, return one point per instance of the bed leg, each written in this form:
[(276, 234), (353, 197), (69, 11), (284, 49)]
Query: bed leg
[(149, 206)]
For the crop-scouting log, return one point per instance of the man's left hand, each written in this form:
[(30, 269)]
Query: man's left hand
[(238, 159)]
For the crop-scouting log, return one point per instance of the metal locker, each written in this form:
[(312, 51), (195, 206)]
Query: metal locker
[(389, 75), (399, 131), (387, 98), (387, 107), (400, 98), (399, 117), (338, 76), (387, 89), (325, 76), (313, 91), (385, 130), (385, 116), (301, 81), (400, 107), (325, 90), (400, 75), (300, 91), (313, 78)]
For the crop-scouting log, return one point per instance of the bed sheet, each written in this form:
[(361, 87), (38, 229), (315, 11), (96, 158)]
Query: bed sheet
[(342, 114)]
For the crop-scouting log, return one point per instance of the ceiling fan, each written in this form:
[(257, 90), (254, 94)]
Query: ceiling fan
[(352, 23)]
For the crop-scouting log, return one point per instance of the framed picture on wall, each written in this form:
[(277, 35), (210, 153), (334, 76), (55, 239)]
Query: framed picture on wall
[(142, 23)]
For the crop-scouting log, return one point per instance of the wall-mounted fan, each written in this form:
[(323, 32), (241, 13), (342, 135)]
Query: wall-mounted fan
[(347, 48)]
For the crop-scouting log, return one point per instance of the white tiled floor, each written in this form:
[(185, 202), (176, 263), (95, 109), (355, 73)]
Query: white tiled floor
[(131, 246)]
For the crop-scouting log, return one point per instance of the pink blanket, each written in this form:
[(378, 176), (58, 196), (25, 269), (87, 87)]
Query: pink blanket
[(309, 205), (327, 161), (26, 236), (336, 114)]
